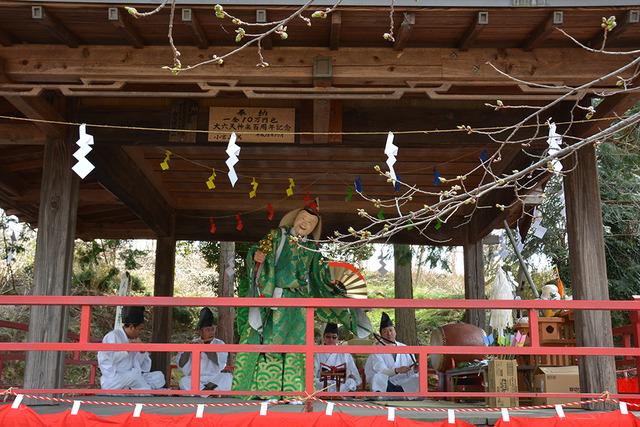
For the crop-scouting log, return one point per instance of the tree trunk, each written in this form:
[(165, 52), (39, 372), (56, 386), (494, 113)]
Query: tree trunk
[(589, 270), (53, 262), (403, 283), (226, 280), (474, 282)]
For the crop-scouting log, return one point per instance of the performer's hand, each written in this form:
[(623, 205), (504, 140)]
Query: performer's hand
[(135, 341), (403, 369), (259, 257)]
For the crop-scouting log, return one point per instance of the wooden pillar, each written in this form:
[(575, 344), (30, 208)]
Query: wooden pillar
[(163, 286), (588, 269), (403, 283), (474, 282), (53, 261), (226, 315)]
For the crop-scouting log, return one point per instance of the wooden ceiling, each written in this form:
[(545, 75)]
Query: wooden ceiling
[(77, 65)]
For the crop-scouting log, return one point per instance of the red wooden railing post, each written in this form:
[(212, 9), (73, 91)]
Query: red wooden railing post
[(309, 374), (423, 373), (85, 328), (534, 330), (195, 370)]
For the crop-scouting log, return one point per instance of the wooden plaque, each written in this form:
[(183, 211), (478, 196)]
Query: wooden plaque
[(252, 124)]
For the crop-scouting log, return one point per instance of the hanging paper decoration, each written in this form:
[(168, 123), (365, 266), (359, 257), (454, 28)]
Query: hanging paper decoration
[(164, 165), (503, 251), (554, 142), (85, 141), (358, 184), (290, 189), (484, 156), (396, 185), (537, 228), (436, 176), (349, 195), (233, 151), (210, 184), (391, 151), (212, 226), (239, 224), (438, 224), (270, 212), (501, 319), (380, 214), (254, 190), (12, 253)]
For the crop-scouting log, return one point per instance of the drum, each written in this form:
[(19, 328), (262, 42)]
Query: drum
[(455, 334)]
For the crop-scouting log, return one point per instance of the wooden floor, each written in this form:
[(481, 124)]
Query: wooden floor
[(478, 418)]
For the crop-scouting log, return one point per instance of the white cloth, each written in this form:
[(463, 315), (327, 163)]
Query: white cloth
[(210, 371), (126, 370), (379, 369), (352, 380)]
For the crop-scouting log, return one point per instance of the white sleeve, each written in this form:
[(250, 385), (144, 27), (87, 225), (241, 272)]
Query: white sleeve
[(352, 370), (110, 358), (145, 361)]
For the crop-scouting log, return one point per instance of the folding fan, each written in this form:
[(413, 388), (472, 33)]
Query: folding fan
[(348, 279)]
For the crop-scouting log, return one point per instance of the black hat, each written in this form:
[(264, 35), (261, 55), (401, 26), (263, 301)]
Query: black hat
[(331, 328), (385, 321), (206, 318), (133, 315)]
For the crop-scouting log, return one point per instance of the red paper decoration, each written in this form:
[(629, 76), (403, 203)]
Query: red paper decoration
[(239, 224), (270, 212), (212, 226)]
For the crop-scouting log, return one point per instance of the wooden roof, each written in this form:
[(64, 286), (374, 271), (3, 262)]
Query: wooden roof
[(114, 76)]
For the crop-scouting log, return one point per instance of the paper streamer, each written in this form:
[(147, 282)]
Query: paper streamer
[(484, 156), (270, 212), (451, 416), (358, 184), (537, 228), (391, 414), (554, 142), (254, 190), (76, 407), (137, 411), (210, 184), (391, 151), (329, 410), (438, 224), (212, 226), (380, 214), (624, 410), (18, 400), (200, 410), (263, 408), (505, 415), (290, 189), (436, 177), (239, 224), (85, 141), (349, 194), (560, 411), (233, 151), (396, 185), (164, 165)]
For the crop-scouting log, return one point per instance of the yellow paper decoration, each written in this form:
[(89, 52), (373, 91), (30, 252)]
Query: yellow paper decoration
[(253, 192), (165, 163), (210, 184), (290, 189)]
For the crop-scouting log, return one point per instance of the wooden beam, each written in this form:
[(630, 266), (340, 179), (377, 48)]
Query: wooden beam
[(58, 28), (404, 32), (480, 22), (543, 31), (53, 262), (116, 172), (6, 39), (336, 27), (123, 23), (200, 37), (294, 64), (321, 119), (21, 134), (474, 285), (38, 108), (183, 114), (588, 268), (163, 287)]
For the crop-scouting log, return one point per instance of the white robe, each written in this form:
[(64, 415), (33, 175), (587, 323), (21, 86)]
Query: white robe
[(210, 372), (379, 369), (352, 380), (126, 370)]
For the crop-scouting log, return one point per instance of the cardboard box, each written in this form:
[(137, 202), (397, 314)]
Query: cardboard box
[(502, 377), (561, 379)]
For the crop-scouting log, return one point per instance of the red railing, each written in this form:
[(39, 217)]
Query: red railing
[(310, 304)]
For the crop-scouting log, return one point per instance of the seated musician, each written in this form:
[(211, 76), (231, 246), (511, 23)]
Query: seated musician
[(128, 370), (211, 363), (335, 369), (391, 372)]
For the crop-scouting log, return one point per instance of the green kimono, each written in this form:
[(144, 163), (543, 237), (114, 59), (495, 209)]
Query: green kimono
[(299, 273)]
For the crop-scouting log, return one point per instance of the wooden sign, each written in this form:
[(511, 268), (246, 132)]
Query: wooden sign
[(252, 124)]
